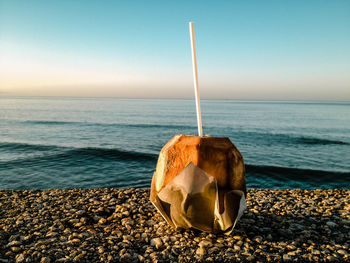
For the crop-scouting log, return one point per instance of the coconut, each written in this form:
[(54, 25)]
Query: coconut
[(199, 182)]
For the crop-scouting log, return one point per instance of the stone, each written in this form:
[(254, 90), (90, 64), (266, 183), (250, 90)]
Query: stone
[(287, 257), (51, 234), (156, 242), (15, 249), (316, 252), (213, 250), (331, 224), (291, 247), (140, 258), (20, 258), (14, 243), (258, 239), (250, 258), (79, 256), (126, 256), (330, 258), (45, 260), (200, 251), (342, 252), (13, 237), (205, 243), (292, 253), (102, 221)]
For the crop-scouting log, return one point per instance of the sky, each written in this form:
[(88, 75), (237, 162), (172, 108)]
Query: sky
[(246, 50)]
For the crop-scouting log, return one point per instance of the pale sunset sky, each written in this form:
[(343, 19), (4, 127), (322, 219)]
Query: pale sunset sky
[(246, 50)]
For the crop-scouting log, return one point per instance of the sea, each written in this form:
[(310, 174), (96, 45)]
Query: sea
[(107, 142)]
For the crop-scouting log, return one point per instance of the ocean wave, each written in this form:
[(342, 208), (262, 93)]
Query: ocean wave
[(115, 154), (311, 140), (52, 122), (124, 125), (51, 154), (286, 139), (264, 137), (298, 174), (27, 147)]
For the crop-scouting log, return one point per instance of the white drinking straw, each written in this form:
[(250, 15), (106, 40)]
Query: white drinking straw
[(195, 79)]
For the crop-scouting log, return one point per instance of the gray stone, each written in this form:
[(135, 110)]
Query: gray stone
[(331, 224)]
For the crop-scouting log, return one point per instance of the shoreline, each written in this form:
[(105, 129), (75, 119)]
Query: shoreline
[(121, 225)]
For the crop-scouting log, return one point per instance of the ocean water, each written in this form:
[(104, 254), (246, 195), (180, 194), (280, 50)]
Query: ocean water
[(100, 142)]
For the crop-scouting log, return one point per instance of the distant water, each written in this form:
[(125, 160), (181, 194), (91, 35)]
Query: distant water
[(89, 143)]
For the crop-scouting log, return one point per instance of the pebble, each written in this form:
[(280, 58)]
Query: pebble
[(236, 248), (79, 256), (331, 224), (100, 250), (205, 243), (75, 240), (250, 258), (156, 242), (140, 258), (342, 252), (45, 260), (15, 249), (20, 258), (200, 251), (331, 258), (14, 243), (258, 239), (102, 221)]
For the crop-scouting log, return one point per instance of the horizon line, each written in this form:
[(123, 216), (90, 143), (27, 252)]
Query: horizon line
[(175, 98)]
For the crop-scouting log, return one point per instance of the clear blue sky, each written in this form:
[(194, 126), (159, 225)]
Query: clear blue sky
[(245, 49)]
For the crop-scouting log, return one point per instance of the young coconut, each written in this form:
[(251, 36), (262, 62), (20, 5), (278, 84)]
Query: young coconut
[(199, 183)]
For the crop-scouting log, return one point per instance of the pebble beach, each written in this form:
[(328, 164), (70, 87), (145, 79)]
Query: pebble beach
[(121, 225)]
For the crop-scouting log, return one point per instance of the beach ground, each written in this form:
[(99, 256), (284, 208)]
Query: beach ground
[(121, 225)]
